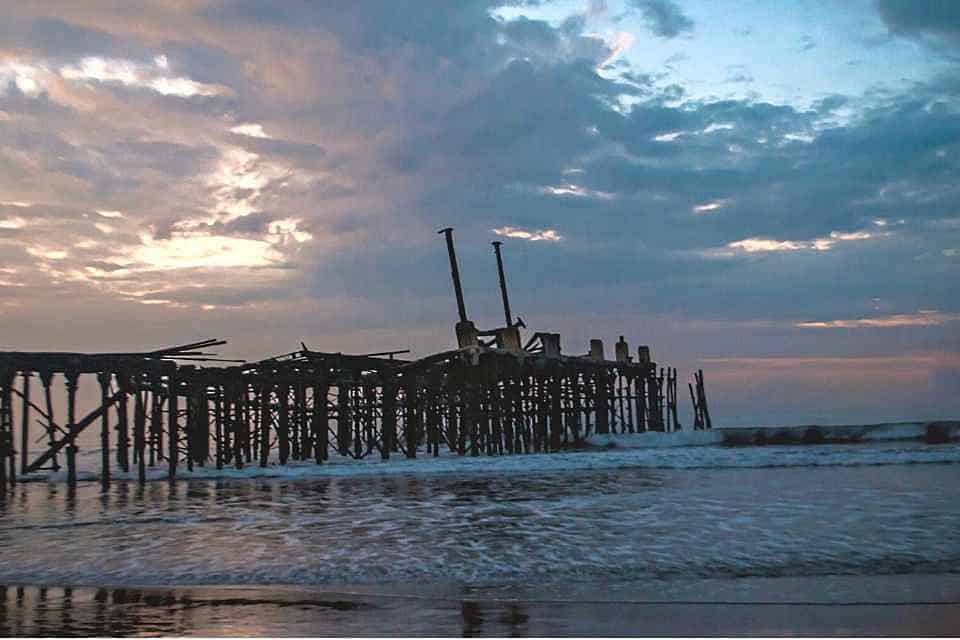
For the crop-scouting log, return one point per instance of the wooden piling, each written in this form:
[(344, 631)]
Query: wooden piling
[(156, 420), (104, 379), (697, 415), (25, 423), (602, 400), (283, 422), (139, 433), (173, 436), (264, 404), (343, 417), (321, 421), (123, 429), (46, 378), (72, 376), (702, 394), (6, 431), (239, 424), (411, 425)]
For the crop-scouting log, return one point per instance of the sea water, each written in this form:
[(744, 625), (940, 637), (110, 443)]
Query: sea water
[(620, 539)]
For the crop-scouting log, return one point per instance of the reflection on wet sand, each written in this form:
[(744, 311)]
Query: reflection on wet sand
[(82, 611)]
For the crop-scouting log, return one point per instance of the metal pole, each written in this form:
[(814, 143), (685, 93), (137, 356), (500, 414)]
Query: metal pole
[(503, 283), (455, 273)]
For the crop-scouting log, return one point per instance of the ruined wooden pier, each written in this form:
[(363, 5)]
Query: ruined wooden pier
[(491, 395)]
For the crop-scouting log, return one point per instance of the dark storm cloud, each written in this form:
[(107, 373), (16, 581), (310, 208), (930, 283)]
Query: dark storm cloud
[(663, 17), (940, 17)]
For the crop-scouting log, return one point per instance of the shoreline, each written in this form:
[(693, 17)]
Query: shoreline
[(647, 443)]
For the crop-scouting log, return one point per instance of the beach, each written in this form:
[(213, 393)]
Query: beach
[(836, 539)]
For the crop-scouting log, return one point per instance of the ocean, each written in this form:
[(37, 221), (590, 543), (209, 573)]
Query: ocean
[(659, 534)]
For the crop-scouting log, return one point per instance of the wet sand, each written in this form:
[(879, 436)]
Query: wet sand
[(298, 611)]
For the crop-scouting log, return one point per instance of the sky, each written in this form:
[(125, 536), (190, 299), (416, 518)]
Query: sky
[(766, 190)]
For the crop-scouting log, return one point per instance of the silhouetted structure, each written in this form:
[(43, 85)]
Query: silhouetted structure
[(488, 396)]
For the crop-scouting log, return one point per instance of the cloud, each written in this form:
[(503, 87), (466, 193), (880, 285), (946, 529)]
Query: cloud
[(934, 17), (664, 18), (250, 129), (307, 190), (927, 318), (550, 235), (130, 73), (707, 207)]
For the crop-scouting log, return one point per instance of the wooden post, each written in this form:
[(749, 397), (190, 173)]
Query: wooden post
[(617, 388), (640, 397), (542, 410), (104, 379), (655, 395), (123, 427), (703, 400), (343, 416), (388, 424), (218, 424), (25, 424), (321, 421), (579, 406), (72, 377), (238, 422), (505, 419), (203, 426), (433, 416), (412, 424), (173, 437), (697, 419), (358, 419), (156, 419), (293, 436), (139, 433), (6, 430), (303, 445), (602, 402), (264, 423), (283, 421), (555, 392), (674, 401), (46, 378), (190, 420), (516, 400)]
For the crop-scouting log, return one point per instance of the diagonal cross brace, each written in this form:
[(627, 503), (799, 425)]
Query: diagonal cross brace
[(80, 426)]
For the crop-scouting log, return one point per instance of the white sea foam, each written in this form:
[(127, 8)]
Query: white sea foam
[(684, 450), (891, 444)]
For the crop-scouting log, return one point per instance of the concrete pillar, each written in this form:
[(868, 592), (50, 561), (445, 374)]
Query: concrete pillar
[(467, 335), (622, 350), (551, 344), (508, 339), (596, 349), (643, 354)]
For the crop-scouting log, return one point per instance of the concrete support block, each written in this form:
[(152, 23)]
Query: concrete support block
[(596, 349), (467, 335), (643, 354), (508, 338), (551, 344), (622, 350)]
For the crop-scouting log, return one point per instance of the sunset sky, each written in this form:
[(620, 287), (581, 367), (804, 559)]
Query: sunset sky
[(768, 190)]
